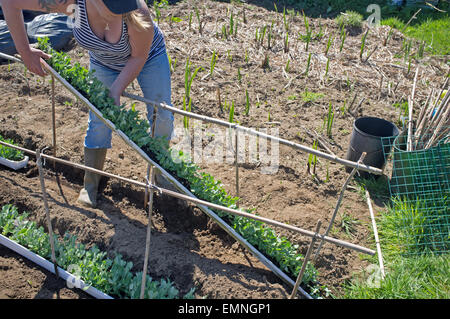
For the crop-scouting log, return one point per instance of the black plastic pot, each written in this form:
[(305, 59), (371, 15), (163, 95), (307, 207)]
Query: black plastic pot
[(374, 136)]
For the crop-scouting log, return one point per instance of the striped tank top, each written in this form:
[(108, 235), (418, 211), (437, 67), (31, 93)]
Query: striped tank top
[(103, 53)]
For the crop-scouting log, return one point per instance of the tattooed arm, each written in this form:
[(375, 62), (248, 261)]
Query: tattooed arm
[(12, 10)]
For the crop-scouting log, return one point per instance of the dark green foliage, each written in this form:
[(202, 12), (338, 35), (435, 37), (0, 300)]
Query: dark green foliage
[(10, 153), (111, 276)]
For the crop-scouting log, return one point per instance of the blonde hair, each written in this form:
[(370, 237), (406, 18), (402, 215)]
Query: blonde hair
[(139, 19)]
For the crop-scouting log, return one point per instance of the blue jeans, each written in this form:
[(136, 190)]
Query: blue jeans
[(154, 80)]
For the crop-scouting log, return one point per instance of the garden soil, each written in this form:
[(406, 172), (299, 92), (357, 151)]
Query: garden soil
[(186, 246)]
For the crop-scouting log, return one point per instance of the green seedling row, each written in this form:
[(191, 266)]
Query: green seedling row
[(10, 153), (278, 249), (111, 276)]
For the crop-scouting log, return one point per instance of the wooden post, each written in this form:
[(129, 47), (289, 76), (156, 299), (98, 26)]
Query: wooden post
[(151, 172), (149, 231), (47, 211), (344, 187), (375, 231), (155, 117), (305, 261)]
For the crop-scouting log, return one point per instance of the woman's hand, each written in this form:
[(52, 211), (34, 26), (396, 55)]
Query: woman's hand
[(32, 60), (115, 94)]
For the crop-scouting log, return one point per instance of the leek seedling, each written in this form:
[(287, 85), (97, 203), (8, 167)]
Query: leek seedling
[(327, 68), (224, 32), (308, 32), (200, 21), (308, 65), (344, 107), (213, 63), (343, 36), (189, 78), (262, 35), (421, 50), (190, 20), (363, 44), (247, 103), (188, 109), (312, 160), (407, 49), (239, 75), (386, 40), (286, 67), (285, 21), (231, 26), (286, 42), (329, 43), (230, 57), (231, 114), (409, 66), (330, 119), (172, 63)]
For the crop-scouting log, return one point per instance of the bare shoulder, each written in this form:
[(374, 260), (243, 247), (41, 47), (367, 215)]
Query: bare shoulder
[(140, 21), (60, 6)]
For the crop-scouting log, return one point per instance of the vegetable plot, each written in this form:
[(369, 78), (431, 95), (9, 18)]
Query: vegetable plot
[(203, 185)]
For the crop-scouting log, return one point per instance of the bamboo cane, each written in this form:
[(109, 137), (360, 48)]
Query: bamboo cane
[(375, 231), (47, 211), (424, 114), (423, 110), (53, 118), (305, 261), (409, 146), (201, 202), (149, 231), (338, 204), (250, 131)]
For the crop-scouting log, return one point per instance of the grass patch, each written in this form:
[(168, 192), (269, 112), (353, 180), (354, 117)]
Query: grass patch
[(349, 19), (308, 96), (419, 277), (414, 276)]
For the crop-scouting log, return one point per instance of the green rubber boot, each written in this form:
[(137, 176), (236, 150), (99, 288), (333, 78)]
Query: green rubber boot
[(94, 158)]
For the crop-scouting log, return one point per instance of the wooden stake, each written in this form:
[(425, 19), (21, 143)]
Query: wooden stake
[(47, 211), (236, 159), (155, 118), (341, 196), (409, 146), (305, 261), (412, 18), (149, 231), (375, 231)]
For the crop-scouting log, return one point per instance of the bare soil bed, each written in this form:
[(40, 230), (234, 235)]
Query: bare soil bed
[(186, 246)]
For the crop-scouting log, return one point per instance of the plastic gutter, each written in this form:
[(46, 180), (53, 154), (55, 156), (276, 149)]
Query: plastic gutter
[(49, 266)]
